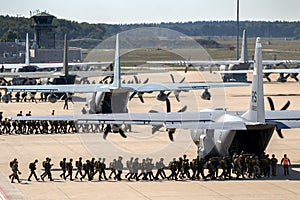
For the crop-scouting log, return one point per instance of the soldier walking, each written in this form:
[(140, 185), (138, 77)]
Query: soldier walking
[(119, 166), (274, 162), (47, 166), (16, 172), (63, 166), (32, 167), (79, 166), (69, 167)]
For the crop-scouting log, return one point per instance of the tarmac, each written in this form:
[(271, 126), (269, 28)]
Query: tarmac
[(141, 143)]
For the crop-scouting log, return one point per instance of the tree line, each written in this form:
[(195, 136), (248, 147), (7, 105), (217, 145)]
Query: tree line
[(19, 26)]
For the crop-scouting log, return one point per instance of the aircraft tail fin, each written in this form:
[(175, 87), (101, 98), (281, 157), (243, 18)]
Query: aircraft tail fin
[(256, 111), (117, 69), (65, 64), (244, 50), (27, 62)]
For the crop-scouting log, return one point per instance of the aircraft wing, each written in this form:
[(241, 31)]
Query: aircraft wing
[(52, 65), (178, 86), (80, 74), (90, 88), (280, 62), (195, 62), (222, 62), (283, 119), (191, 120), (265, 71), (76, 88)]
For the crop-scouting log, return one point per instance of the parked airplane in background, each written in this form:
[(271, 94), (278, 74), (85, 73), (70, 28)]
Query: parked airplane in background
[(29, 67), (240, 68), (216, 132), (113, 98), (28, 74)]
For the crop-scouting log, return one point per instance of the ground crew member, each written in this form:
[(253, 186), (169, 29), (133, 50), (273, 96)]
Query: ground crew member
[(285, 161), (32, 167)]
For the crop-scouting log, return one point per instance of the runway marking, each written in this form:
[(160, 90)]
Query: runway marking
[(3, 195)]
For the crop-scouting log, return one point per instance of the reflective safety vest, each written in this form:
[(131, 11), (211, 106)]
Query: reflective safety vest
[(285, 161)]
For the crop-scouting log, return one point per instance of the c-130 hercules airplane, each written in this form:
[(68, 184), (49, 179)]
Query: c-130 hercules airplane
[(214, 131), (113, 98)]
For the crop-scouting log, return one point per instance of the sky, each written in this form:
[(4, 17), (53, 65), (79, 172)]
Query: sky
[(155, 11)]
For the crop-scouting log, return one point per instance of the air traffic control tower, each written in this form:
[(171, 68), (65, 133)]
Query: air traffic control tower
[(44, 34)]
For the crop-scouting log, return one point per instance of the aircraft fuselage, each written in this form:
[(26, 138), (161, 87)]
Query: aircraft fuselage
[(216, 142)]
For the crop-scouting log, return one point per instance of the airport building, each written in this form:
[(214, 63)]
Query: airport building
[(43, 46)]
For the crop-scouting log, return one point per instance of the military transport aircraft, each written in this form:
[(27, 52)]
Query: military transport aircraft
[(236, 70), (113, 98), (216, 132), (29, 67), (28, 74)]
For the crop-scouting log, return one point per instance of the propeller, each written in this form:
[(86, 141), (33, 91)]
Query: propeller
[(170, 131), (293, 75), (140, 94), (187, 65), (272, 107), (177, 92), (282, 78), (266, 75), (115, 129)]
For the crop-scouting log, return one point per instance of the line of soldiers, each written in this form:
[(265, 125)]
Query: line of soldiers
[(8, 127), (217, 168)]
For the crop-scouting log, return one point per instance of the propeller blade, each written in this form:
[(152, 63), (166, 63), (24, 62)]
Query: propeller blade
[(156, 128), (182, 109), (168, 94), (286, 105), (279, 133), (170, 133), (172, 77), (186, 69), (296, 78), (132, 95), (105, 78), (153, 111), (136, 79), (146, 81), (182, 80), (122, 133), (106, 131), (168, 104), (271, 103), (141, 98), (177, 96), (288, 75)]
